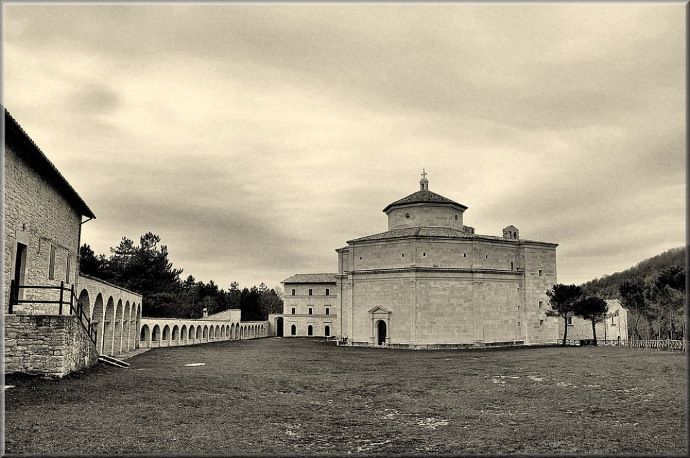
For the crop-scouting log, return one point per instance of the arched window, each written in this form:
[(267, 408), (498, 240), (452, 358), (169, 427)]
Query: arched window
[(327, 311), (328, 292), (293, 330), (309, 310), (293, 310), (310, 291), (327, 331), (293, 291), (310, 330)]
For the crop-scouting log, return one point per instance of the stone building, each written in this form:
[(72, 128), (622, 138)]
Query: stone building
[(430, 281), (56, 321), (310, 306), (614, 327)]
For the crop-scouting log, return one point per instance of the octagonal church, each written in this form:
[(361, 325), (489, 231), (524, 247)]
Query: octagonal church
[(430, 281)]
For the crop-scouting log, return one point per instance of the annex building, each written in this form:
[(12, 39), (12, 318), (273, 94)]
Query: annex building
[(430, 281)]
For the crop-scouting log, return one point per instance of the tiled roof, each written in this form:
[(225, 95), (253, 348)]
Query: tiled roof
[(421, 197), (24, 146), (312, 278), (442, 232)]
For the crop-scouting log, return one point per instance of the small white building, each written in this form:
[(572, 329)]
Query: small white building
[(614, 327)]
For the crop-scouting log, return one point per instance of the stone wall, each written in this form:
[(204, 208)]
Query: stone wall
[(173, 332), (48, 345), (425, 215), (37, 215), (540, 276), (114, 312)]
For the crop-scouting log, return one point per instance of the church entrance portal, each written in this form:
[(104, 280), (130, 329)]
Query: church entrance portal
[(381, 332), (279, 327)]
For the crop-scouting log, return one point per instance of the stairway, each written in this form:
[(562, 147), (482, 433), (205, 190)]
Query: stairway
[(112, 361)]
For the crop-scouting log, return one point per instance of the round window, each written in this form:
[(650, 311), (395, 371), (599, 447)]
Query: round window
[(407, 215)]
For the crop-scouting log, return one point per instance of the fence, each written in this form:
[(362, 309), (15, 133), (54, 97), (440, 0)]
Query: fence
[(75, 305), (663, 345)]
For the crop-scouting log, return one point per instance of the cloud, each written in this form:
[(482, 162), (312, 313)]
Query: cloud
[(256, 139)]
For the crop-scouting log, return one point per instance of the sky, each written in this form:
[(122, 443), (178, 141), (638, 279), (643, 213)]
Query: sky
[(257, 139)]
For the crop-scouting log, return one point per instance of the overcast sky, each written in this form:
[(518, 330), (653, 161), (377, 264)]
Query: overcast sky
[(257, 139)]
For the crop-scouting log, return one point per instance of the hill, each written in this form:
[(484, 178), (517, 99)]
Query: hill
[(607, 286)]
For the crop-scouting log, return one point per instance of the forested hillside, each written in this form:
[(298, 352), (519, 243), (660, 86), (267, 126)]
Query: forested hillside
[(607, 286)]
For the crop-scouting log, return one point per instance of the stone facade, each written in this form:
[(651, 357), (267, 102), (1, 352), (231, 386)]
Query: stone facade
[(615, 327), (310, 307), (431, 282), (46, 345), (39, 218)]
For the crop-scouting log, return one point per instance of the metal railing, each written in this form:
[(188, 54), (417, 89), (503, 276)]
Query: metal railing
[(75, 306), (662, 344)]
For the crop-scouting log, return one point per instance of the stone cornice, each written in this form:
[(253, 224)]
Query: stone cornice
[(436, 269)]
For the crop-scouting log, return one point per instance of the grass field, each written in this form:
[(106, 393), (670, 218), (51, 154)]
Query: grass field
[(298, 396)]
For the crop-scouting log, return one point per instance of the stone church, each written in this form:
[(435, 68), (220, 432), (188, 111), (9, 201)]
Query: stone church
[(430, 281)]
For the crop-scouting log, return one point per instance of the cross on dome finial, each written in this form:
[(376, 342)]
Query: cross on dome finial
[(423, 183)]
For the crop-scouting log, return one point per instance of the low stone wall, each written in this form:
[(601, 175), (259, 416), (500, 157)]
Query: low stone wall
[(48, 345), (472, 346)]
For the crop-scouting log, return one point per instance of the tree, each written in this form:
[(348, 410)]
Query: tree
[(668, 293), (632, 294), (563, 299), (90, 264), (594, 309)]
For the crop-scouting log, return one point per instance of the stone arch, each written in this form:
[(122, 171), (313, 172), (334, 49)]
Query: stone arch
[(126, 327), (117, 336), (183, 334), (216, 334), (232, 331), (293, 330), (279, 326), (222, 332), (85, 303), (145, 335), (156, 336), (310, 330), (176, 333), (327, 331), (211, 333), (97, 321), (137, 321), (166, 335), (192, 335), (109, 327), (198, 333), (205, 332)]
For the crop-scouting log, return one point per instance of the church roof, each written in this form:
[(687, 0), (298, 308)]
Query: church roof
[(312, 278), (438, 232), (424, 197)]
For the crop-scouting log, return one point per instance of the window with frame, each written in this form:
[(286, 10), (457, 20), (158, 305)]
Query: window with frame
[(541, 272), (327, 311), (328, 292), (293, 291), (570, 321), (310, 310), (51, 263), (293, 310), (541, 304), (310, 291)]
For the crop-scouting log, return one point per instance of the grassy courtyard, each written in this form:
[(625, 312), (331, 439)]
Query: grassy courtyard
[(298, 396)]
